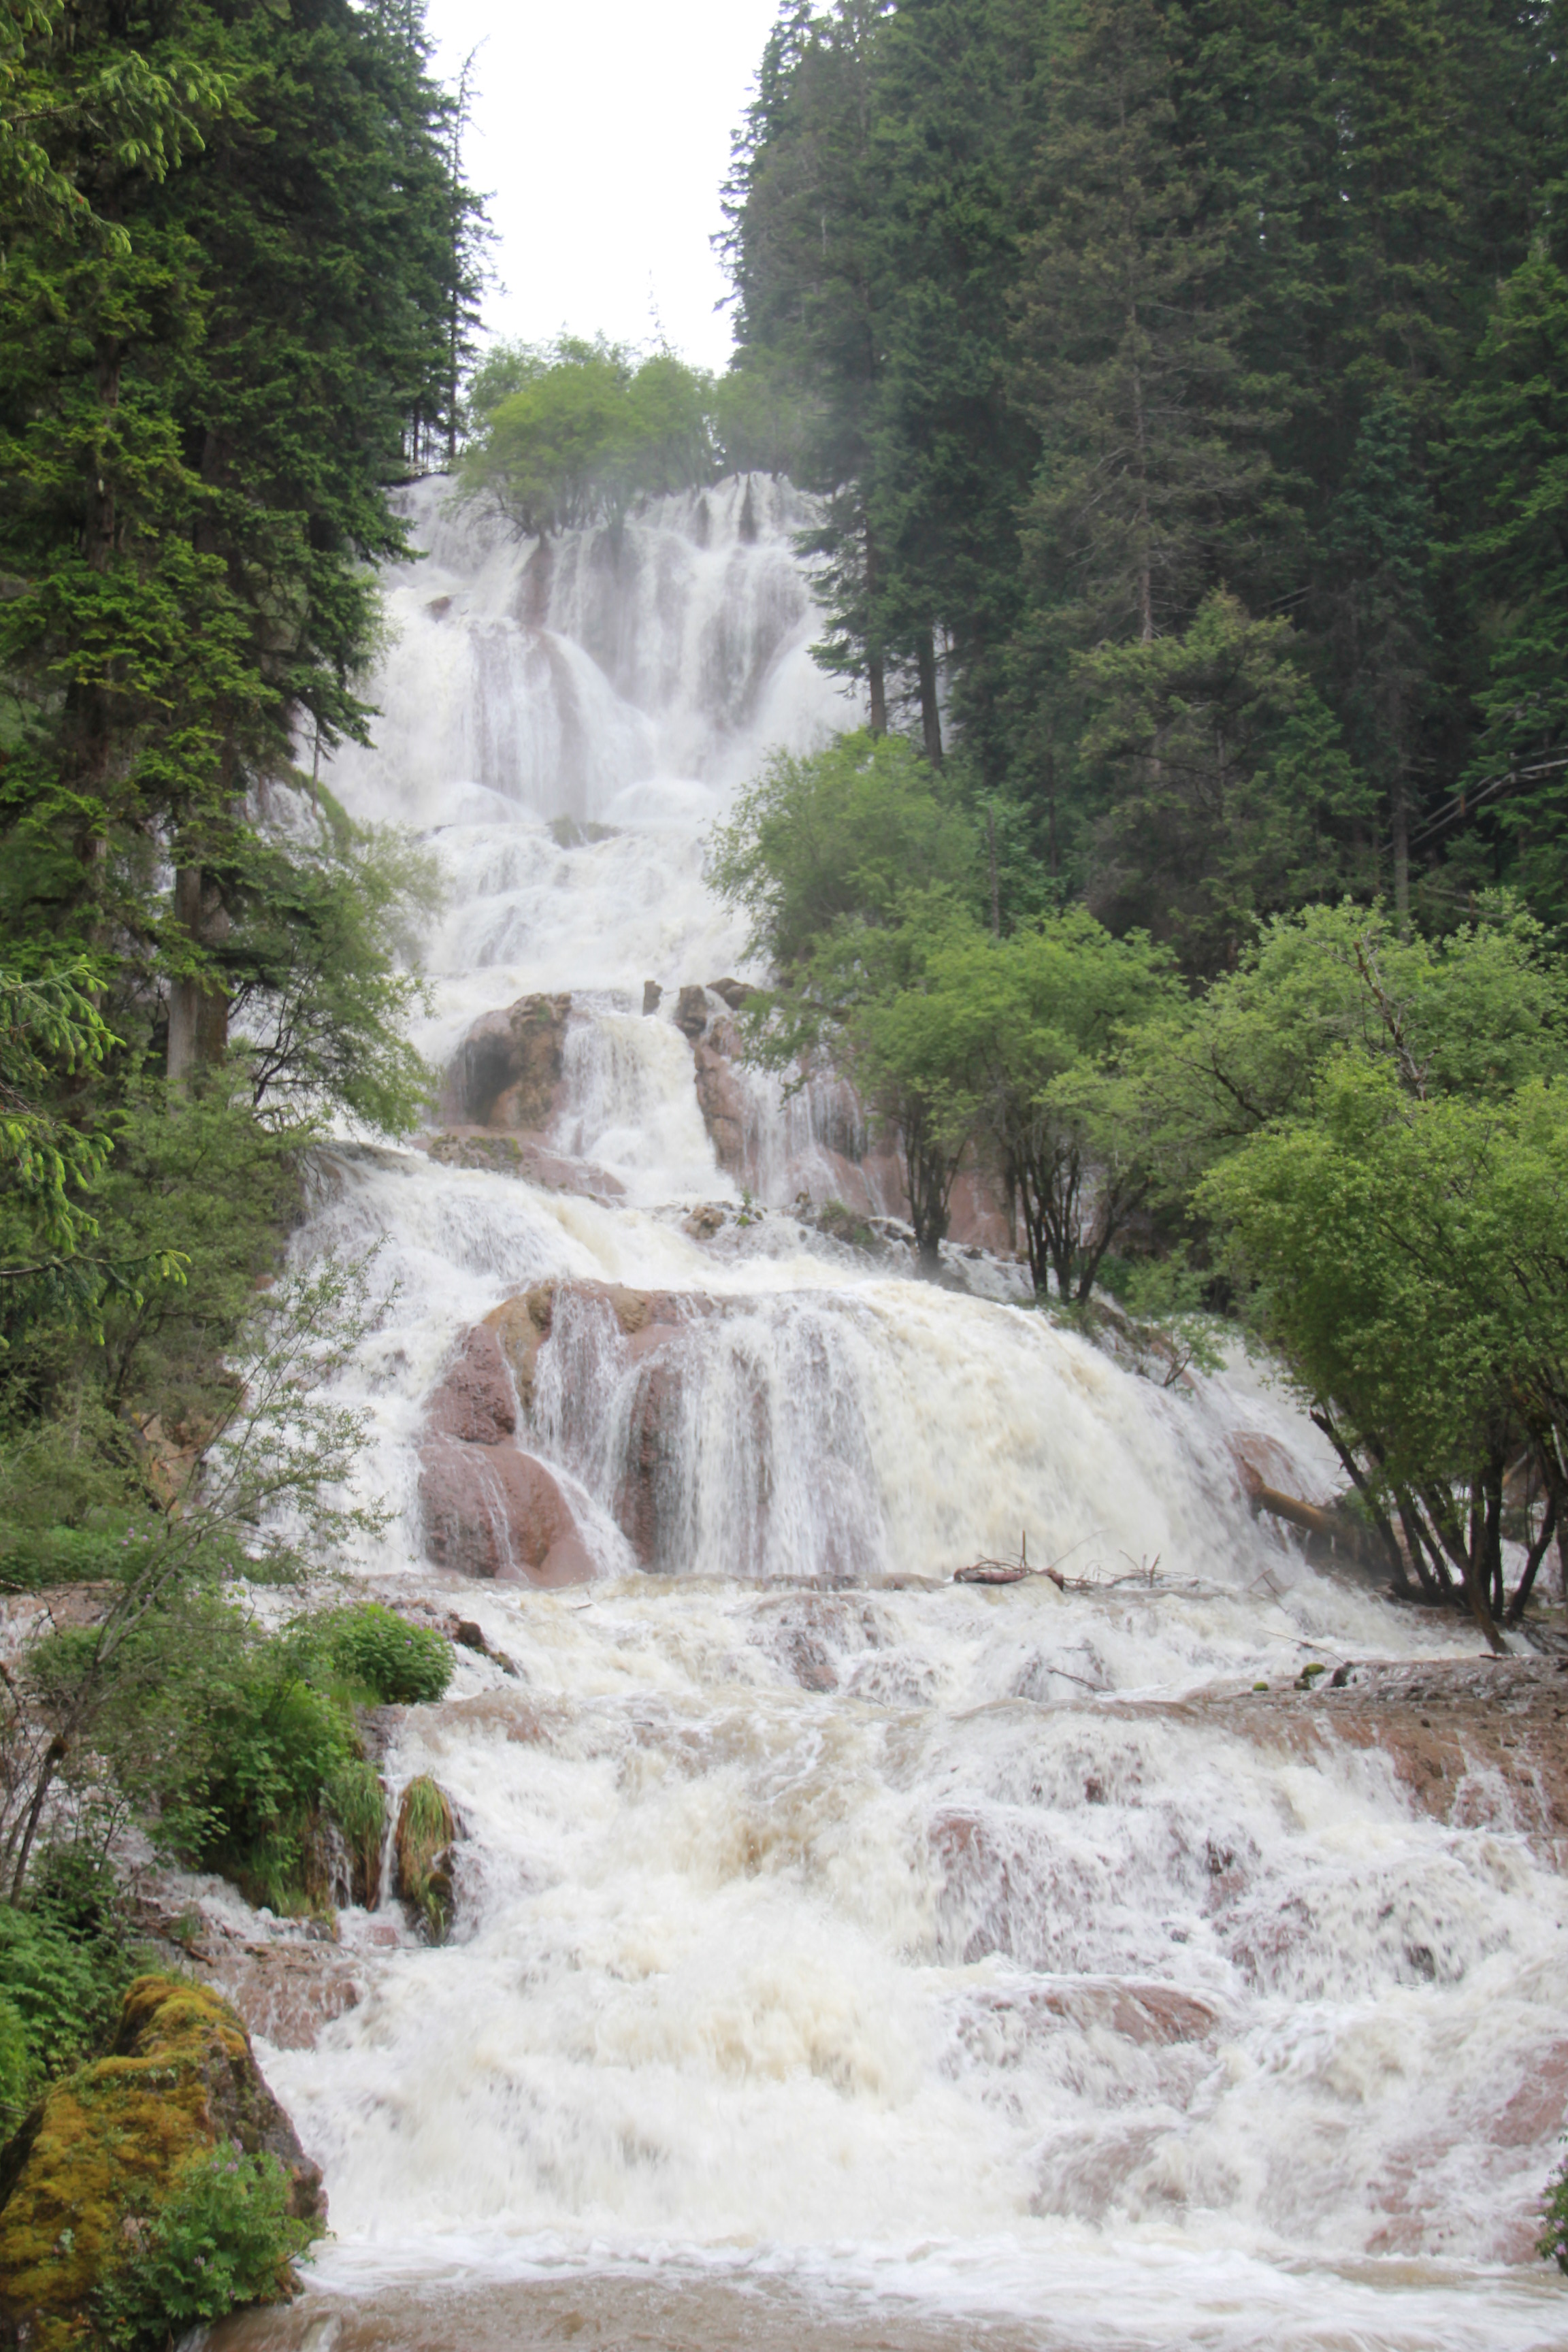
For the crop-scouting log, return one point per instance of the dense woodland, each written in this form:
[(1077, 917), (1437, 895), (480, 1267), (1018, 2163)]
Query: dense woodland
[(1183, 394), (239, 268)]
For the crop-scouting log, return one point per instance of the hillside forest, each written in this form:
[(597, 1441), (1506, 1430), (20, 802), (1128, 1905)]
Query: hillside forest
[(1181, 390)]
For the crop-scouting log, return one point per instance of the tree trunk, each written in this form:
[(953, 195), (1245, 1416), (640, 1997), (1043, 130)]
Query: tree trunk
[(198, 1009), (876, 666), (931, 709)]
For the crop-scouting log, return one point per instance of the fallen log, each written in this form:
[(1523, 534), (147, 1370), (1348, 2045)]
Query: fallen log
[(1329, 1524)]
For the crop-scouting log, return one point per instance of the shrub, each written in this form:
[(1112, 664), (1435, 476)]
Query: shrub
[(64, 1990), (1552, 2243), (401, 1664), (224, 2238), (16, 2069)]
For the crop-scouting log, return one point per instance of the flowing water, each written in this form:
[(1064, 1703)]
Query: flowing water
[(843, 1955)]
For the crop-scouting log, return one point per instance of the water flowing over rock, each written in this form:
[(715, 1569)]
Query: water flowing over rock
[(1005, 1952)]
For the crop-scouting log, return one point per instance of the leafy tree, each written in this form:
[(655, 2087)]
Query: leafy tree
[(1407, 1255), (573, 433), (844, 833), (1043, 1012)]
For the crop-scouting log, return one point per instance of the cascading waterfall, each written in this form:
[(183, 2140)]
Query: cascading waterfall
[(830, 1939)]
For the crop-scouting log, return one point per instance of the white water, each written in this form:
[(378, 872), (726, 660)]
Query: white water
[(793, 1921)]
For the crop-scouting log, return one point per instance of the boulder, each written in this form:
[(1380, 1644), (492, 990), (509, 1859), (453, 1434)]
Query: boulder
[(508, 1067), (734, 992), (644, 1328), (491, 1510), (112, 2141), (474, 1402), (652, 997), (422, 1851), (721, 1096), (691, 1010), (520, 1156)]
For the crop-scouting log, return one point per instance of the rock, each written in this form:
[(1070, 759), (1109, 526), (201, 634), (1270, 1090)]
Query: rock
[(508, 1067), (691, 1011), (652, 996), (494, 1511), (520, 1156), (708, 1219), (117, 2135), (721, 1096), (636, 1328), (422, 1848), (475, 1401), (286, 1992), (734, 992)]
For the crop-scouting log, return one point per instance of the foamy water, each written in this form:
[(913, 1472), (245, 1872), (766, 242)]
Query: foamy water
[(832, 1941)]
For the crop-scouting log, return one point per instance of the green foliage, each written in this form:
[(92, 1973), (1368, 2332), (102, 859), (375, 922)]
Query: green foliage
[(66, 1957), (224, 2238), (843, 835), (572, 433), (1225, 792), (1116, 332), (1552, 2243), (397, 1663)]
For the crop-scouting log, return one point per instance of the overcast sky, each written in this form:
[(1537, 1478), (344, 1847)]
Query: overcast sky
[(602, 129)]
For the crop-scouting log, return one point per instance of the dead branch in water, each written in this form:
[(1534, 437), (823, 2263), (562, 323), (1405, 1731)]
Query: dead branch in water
[(1014, 1572)]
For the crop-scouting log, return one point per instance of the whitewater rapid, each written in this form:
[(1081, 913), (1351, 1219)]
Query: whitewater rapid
[(832, 1939)]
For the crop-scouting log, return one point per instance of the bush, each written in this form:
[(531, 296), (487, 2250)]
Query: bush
[(63, 1988), (1552, 2243), (274, 1745), (17, 2072), (224, 2238), (400, 1664)]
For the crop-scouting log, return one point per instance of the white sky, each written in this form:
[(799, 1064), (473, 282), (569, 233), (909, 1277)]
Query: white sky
[(602, 127)]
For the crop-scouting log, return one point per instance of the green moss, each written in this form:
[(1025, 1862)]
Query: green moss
[(426, 1830), (109, 2143)]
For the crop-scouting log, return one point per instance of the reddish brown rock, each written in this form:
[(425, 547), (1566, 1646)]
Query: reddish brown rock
[(474, 1402), (643, 1329), (494, 1511), (520, 1156), (508, 1067), (722, 1097)]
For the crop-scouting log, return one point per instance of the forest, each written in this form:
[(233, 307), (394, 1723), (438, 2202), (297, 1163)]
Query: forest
[(1181, 388)]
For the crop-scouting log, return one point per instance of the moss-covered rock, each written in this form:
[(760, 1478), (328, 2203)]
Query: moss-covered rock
[(108, 2143), (422, 1846)]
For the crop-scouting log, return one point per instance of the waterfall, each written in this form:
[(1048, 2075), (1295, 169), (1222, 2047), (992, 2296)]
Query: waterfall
[(833, 1942)]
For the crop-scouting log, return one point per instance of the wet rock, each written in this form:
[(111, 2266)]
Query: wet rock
[(721, 1096), (508, 1067), (423, 1846), (286, 1992), (494, 1511), (691, 1011), (114, 2137), (520, 1156), (644, 1319), (1480, 1744), (705, 1221), (652, 996), (474, 1402), (734, 992)]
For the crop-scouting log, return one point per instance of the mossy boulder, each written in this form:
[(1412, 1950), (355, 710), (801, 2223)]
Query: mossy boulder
[(422, 1846), (107, 2144)]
